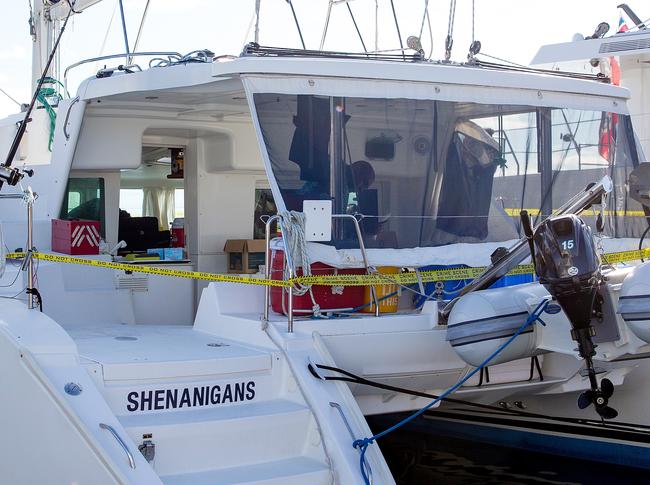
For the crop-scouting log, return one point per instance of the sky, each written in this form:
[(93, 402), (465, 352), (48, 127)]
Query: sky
[(509, 29)]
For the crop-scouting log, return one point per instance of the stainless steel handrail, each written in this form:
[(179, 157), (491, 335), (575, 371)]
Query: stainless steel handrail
[(362, 247), (29, 197), (338, 407), (28, 263), (267, 271), (288, 256), (178, 55), (267, 266), (67, 117), (117, 437)]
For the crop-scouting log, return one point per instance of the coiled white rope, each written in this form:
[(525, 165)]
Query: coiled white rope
[(293, 233)]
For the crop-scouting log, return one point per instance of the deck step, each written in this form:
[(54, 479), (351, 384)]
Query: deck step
[(218, 392), (262, 409), (293, 471), (145, 352), (217, 438)]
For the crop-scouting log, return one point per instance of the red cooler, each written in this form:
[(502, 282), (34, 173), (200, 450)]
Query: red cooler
[(327, 297), (178, 233), (75, 237)]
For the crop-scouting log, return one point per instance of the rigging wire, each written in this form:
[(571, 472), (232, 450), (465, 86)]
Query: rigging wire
[(10, 97), (124, 31), (354, 21), (108, 30), (140, 28), (295, 19), (257, 22), (399, 34), (327, 24), (430, 35), (473, 18), (248, 29), (424, 16), (449, 41), (376, 25), (503, 60)]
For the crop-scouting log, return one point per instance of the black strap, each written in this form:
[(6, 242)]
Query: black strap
[(37, 294), (355, 379)]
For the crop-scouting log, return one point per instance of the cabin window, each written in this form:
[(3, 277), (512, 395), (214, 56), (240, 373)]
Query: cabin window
[(179, 202), (131, 200), (84, 199)]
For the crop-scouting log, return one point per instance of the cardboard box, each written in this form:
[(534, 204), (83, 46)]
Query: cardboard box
[(244, 255), (75, 237)]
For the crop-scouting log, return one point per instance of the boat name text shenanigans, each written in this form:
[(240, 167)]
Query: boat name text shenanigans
[(190, 397)]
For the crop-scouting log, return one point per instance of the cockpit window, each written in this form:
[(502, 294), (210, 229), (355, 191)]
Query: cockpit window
[(427, 173)]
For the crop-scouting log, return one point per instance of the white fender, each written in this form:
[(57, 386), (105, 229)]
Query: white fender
[(481, 322), (634, 301)]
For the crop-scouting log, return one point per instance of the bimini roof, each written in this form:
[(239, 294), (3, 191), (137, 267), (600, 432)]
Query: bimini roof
[(419, 80), (367, 78)]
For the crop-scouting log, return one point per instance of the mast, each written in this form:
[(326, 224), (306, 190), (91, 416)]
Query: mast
[(47, 17), (42, 42)]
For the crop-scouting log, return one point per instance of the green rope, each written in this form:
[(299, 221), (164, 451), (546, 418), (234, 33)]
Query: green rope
[(43, 95)]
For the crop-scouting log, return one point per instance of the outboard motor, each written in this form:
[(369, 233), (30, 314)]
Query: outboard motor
[(568, 266)]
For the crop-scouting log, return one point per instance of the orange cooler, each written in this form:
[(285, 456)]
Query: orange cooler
[(389, 304)]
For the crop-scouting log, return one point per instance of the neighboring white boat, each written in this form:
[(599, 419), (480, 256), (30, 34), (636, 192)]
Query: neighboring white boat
[(631, 52), (128, 377)]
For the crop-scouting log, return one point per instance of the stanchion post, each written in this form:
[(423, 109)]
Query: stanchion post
[(30, 246)]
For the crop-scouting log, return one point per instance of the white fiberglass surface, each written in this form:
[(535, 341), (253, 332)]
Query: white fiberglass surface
[(116, 343)]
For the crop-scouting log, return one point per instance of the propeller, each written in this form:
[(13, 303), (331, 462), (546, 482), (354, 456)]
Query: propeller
[(599, 398)]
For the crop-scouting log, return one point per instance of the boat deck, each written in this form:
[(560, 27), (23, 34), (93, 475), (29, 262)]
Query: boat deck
[(159, 351)]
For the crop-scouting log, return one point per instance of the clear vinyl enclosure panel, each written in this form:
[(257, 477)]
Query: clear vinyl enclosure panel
[(428, 173)]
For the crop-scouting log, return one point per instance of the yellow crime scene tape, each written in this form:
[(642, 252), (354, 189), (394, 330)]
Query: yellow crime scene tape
[(323, 280), (515, 212)]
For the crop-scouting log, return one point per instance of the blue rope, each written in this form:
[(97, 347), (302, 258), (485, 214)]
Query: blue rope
[(362, 444)]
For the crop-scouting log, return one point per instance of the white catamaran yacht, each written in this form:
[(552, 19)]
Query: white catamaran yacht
[(375, 167)]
